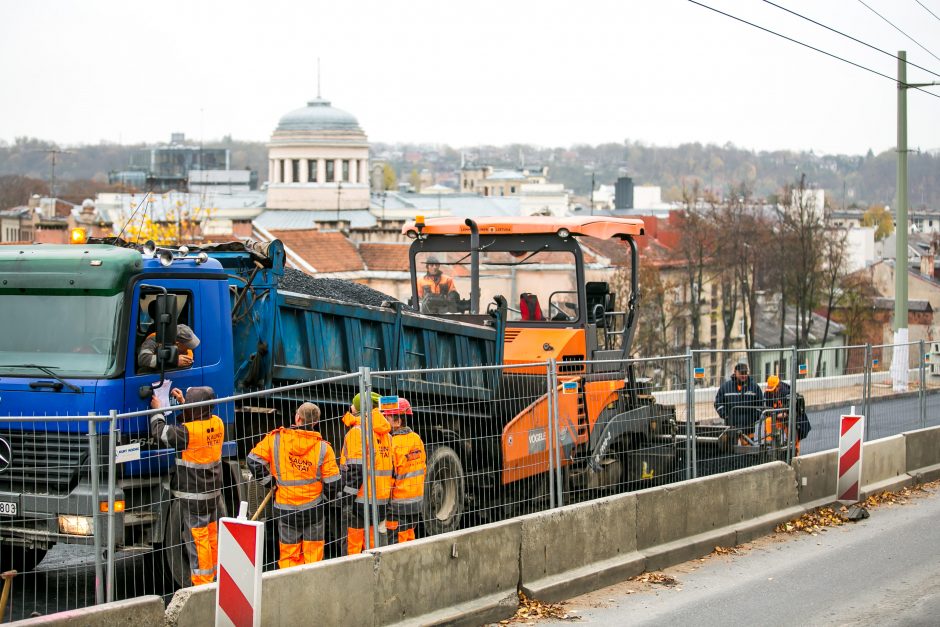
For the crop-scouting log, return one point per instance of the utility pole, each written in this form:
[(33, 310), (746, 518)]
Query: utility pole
[(54, 152), (899, 361)]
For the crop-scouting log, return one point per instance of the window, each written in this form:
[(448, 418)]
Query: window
[(837, 359), (822, 371), (145, 327), (295, 170), (741, 330), (329, 170), (766, 370), (345, 176), (312, 170), (512, 189), (280, 167)]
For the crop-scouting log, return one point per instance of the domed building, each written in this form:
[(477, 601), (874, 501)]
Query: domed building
[(318, 160)]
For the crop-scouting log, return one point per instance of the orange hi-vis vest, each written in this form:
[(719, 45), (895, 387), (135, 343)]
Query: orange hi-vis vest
[(199, 465), (441, 287), (352, 454), (300, 461), (409, 462)]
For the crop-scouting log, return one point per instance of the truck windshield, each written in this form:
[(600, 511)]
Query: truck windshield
[(77, 334)]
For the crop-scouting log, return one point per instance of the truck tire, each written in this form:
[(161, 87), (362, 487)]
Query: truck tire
[(20, 558), (444, 491)]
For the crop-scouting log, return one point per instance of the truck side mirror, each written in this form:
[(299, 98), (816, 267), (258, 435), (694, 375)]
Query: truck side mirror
[(166, 329), (598, 315)]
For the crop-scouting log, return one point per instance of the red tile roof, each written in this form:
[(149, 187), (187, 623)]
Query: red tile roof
[(388, 257), (326, 251)]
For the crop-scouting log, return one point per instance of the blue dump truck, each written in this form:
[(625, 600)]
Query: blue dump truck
[(75, 317)]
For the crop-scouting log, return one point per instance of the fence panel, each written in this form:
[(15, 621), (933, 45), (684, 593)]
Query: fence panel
[(894, 397), (47, 537)]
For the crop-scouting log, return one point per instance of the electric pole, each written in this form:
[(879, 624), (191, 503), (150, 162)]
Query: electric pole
[(54, 152), (899, 361)]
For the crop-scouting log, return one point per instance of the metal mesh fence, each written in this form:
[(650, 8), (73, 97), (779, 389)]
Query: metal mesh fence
[(52, 480), (498, 442)]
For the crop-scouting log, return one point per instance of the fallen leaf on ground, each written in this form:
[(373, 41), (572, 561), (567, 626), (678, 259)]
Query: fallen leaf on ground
[(657, 578), (814, 521), (533, 609), (725, 550)]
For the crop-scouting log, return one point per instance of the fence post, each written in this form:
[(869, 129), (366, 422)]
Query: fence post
[(560, 491), (791, 426), (689, 413), (368, 454), (866, 378), (95, 499), (550, 419), (690, 426), (922, 371), (112, 480)]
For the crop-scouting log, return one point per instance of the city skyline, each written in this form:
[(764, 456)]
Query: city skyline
[(542, 73)]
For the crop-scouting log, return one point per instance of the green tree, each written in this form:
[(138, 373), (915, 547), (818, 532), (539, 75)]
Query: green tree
[(879, 216)]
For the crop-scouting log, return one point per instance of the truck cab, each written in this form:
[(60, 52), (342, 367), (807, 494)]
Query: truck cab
[(75, 319)]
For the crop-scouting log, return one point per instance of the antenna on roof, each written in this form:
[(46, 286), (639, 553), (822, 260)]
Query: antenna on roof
[(318, 78)]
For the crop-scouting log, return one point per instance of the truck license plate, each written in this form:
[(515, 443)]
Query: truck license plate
[(7, 508)]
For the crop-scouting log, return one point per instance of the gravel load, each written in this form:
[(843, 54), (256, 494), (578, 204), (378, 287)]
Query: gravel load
[(337, 289)]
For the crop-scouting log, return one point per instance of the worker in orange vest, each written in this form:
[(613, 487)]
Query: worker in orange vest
[(434, 282), (303, 467), (197, 482), (352, 464), (409, 465)]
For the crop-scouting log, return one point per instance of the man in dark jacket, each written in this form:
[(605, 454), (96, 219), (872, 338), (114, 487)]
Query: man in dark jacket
[(197, 482), (739, 400)]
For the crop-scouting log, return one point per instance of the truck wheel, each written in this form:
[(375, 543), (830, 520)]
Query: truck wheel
[(174, 552), (444, 491), (20, 558)]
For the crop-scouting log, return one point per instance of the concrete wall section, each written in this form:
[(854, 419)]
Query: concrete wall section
[(579, 548), (680, 510), (432, 575), (816, 476), (754, 492), (140, 611), (922, 448), (314, 594), (884, 464)]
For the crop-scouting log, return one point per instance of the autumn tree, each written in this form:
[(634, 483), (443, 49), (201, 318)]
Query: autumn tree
[(15, 190), (879, 217), (414, 179), (389, 178)]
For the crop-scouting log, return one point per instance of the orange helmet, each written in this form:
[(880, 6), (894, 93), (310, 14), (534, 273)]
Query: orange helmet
[(773, 382)]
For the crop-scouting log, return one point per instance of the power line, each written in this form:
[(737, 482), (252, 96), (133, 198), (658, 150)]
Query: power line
[(806, 45), (926, 9), (898, 29), (855, 39)]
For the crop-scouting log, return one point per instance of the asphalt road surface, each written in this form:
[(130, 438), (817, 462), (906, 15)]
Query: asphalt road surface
[(888, 417), (881, 571), (66, 578)]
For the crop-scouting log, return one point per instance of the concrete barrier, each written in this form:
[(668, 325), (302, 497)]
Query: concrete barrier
[(579, 548), (139, 611), (326, 593), (884, 465), (816, 476), (922, 448), (467, 577)]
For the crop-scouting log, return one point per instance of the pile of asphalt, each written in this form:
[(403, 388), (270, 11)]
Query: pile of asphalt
[(337, 289)]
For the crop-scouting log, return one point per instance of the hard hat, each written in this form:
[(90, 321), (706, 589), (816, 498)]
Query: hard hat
[(433, 260), (404, 407), (375, 401), (773, 381)]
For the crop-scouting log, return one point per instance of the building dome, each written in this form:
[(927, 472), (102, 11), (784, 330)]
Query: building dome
[(318, 115)]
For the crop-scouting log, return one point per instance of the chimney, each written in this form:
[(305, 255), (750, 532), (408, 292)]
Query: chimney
[(926, 264)]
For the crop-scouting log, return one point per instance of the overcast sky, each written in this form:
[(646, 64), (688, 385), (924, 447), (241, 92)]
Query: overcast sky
[(543, 72)]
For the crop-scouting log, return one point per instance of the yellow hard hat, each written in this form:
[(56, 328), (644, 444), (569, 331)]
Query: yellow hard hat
[(773, 381)]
